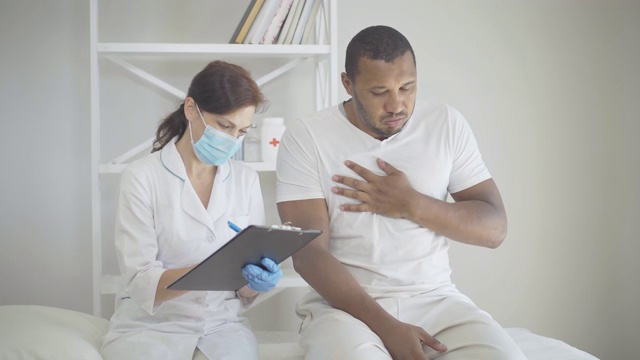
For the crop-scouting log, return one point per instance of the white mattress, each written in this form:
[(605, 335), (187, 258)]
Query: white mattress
[(537, 347), (40, 332)]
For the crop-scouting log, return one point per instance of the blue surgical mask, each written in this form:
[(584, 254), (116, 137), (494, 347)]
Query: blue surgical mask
[(215, 147)]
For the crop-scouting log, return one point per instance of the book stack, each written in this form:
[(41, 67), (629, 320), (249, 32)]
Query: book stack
[(278, 22)]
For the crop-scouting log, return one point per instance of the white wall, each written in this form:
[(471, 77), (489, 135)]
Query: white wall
[(550, 88), (45, 228)]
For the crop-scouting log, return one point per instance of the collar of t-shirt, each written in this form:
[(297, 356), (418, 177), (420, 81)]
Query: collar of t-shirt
[(344, 113)]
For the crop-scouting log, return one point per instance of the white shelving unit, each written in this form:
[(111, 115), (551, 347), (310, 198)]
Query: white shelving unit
[(323, 54)]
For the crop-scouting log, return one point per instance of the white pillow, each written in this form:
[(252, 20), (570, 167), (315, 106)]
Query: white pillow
[(34, 332)]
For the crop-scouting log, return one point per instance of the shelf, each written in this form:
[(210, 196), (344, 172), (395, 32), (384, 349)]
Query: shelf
[(160, 64), (261, 166), (109, 284), (117, 168), (218, 49), (291, 279)]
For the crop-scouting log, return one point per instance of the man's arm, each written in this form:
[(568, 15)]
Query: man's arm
[(477, 217), (338, 287)]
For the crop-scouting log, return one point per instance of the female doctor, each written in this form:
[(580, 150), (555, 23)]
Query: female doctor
[(172, 213)]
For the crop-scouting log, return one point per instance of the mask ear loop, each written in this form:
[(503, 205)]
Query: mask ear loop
[(201, 118), (190, 133)]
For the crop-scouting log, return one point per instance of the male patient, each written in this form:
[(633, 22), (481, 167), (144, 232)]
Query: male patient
[(373, 173)]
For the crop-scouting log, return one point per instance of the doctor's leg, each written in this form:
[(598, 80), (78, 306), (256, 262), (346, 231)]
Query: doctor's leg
[(233, 341)]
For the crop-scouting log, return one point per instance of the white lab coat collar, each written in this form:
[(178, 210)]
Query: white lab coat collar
[(172, 162)]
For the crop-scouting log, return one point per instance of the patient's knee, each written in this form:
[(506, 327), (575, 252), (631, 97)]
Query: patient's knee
[(339, 336)]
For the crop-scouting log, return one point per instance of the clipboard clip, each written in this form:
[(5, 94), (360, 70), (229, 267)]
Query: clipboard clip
[(286, 226)]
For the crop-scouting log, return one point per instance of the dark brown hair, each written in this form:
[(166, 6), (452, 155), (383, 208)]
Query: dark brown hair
[(219, 88), (376, 43)]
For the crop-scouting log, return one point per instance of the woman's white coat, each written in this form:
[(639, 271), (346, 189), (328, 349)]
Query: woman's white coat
[(161, 224)]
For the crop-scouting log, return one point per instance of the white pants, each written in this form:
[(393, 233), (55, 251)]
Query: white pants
[(445, 313), (231, 342)]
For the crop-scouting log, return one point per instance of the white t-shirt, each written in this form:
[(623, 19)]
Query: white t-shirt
[(437, 151)]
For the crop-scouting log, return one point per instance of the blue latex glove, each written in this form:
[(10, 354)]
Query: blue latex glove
[(260, 279)]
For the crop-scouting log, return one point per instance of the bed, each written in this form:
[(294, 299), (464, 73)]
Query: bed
[(33, 332)]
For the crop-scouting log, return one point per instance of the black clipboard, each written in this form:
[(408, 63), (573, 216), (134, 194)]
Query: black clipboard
[(221, 271)]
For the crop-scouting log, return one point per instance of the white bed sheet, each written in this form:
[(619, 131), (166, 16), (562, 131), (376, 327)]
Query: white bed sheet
[(537, 347), (31, 332)]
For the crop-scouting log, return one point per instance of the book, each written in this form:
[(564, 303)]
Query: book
[(293, 18), (273, 29), (287, 23), (302, 23), (259, 26), (256, 22), (247, 19), (311, 22)]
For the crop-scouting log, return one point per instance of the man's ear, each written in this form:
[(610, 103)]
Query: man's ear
[(346, 82)]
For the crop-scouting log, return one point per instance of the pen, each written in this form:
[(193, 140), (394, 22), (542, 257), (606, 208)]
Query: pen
[(234, 227)]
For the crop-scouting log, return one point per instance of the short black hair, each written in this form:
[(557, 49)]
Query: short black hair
[(376, 43)]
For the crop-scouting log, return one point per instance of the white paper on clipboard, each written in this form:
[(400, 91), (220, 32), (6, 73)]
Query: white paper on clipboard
[(221, 271)]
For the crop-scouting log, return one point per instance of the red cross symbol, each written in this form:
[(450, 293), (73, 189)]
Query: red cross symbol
[(274, 142)]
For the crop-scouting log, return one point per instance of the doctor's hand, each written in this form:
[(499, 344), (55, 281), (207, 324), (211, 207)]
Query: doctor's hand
[(390, 195), (260, 279)]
